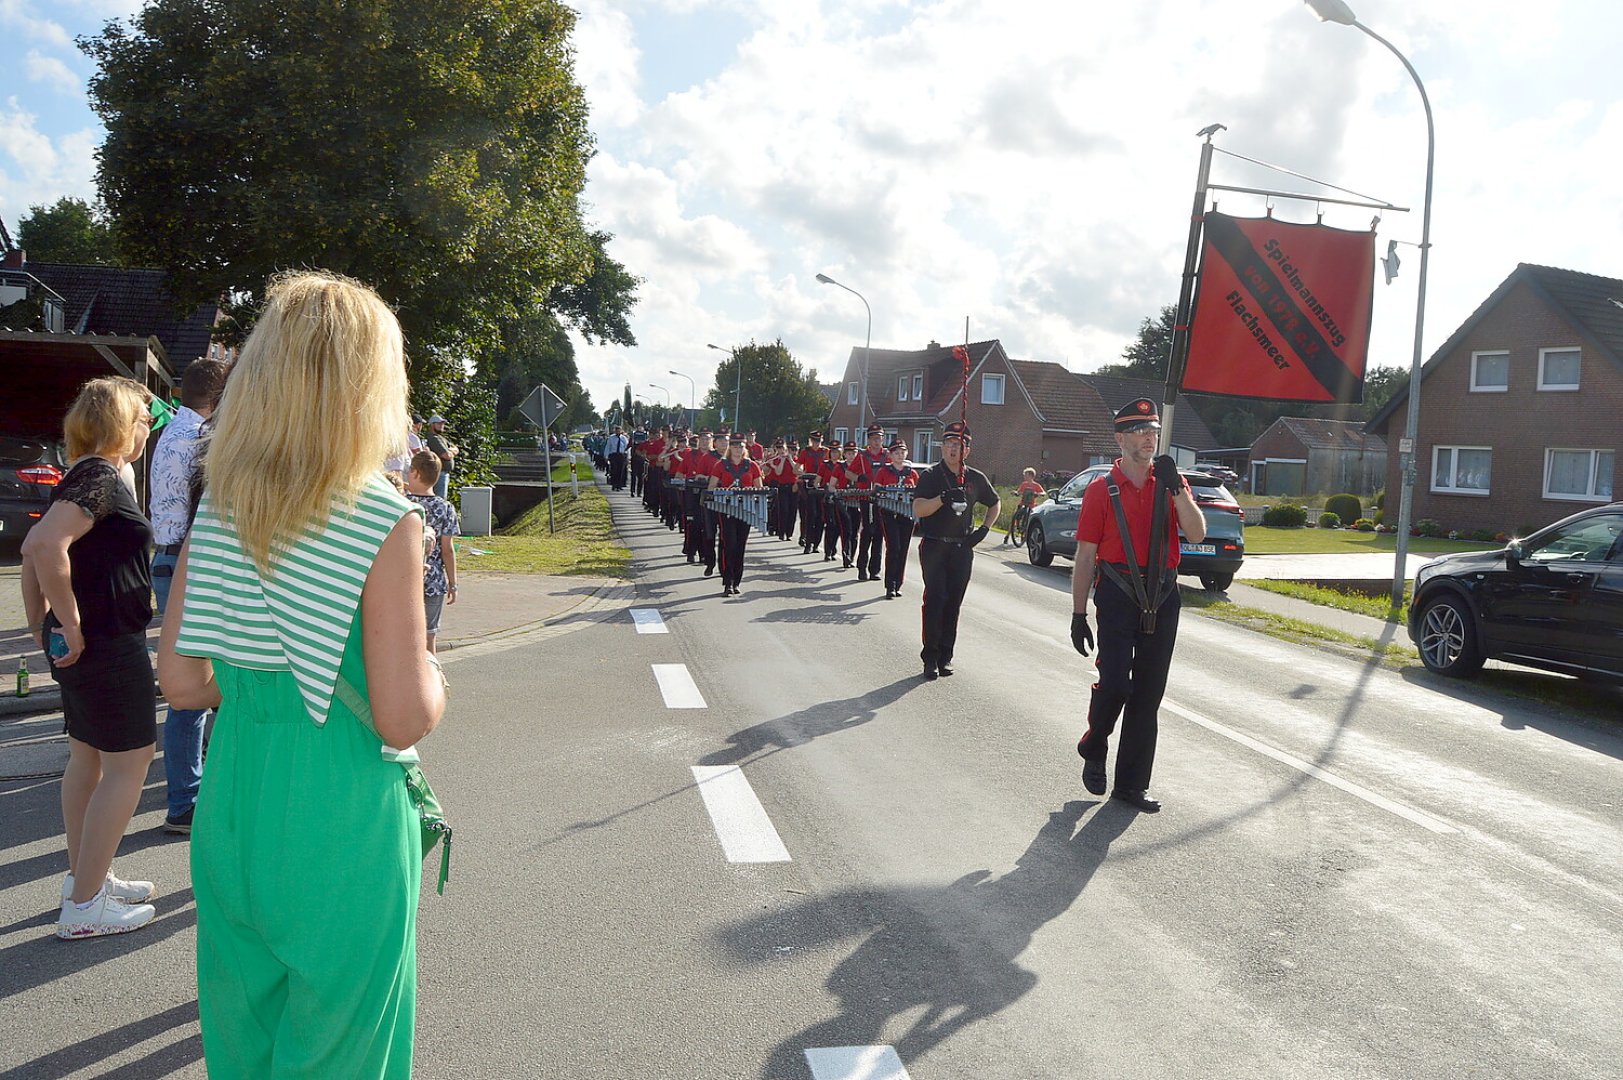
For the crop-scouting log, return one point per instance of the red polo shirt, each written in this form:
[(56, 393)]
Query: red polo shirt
[(747, 474), (1096, 524)]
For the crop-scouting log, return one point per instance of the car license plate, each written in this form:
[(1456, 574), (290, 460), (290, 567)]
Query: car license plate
[(1198, 549)]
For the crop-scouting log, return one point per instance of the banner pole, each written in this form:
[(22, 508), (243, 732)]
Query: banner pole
[(1178, 354)]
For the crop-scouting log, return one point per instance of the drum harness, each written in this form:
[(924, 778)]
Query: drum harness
[(1142, 584)]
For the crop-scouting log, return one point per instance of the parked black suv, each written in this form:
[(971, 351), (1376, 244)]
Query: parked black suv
[(29, 468), (1551, 601)]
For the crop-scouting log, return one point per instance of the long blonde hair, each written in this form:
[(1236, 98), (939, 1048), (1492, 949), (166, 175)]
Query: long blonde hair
[(314, 404), (102, 418)]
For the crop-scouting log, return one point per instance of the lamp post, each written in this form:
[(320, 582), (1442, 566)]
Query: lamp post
[(693, 395), (667, 394), (1337, 11), (867, 348), (738, 382)]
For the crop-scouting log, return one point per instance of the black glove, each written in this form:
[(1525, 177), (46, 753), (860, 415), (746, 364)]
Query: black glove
[(1166, 471), (1081, 633), (977, 536), (955, 500)]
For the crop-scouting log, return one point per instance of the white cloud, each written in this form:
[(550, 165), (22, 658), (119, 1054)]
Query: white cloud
[(20, 15), (606, 57), (36, 170), (50, 71)]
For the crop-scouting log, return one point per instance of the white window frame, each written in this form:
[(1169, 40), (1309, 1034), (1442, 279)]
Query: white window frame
[(923, 447), (1559, 387), (851, 393), (1002, 388), (918, 386), (1594, 476), (1480, 388), (902, 383), (839, 436), (1454, 470)]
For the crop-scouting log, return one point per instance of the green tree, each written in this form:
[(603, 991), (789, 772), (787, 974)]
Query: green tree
[(779, 398), (1146, 357), (625, 401), (1381, 385), (68, 231)]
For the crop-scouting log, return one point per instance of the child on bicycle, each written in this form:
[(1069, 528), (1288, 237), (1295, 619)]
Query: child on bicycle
[(1027, 495)]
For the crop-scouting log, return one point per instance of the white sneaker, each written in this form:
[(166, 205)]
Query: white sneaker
[(130, 892), (105, 915)]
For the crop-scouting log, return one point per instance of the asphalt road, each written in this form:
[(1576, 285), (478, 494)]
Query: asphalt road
[(1358, 873)]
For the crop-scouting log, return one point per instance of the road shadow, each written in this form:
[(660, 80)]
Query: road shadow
[(32, 811), (35, 961), (1582, 713), (85, 1053), (798, 728), (951, 951)]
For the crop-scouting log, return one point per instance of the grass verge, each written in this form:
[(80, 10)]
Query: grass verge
[(584, 542), (1376, 607), (1266, 540), (1391, 654)]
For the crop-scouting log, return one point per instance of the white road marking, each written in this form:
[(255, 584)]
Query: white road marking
[(855, 1063), (746, 833), (678, 687), (648, 621), (1425, 821)]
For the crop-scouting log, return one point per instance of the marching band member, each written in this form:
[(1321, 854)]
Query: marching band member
[(944, 501), (780, 477), (734, 471), (860, 469), (811, 462), (898, 528)]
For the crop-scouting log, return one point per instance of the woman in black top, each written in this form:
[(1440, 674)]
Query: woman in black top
[(87, 591)]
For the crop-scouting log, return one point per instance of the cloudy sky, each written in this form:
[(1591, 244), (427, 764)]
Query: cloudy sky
[(1026, 164)]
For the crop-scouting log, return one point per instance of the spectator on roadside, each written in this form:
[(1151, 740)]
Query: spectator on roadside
[(296, 608), (175, 476), (444, 449), (87, 594), (439, 562)]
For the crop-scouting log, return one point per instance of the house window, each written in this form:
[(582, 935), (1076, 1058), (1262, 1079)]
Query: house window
[(991, 389), (1490, 372), (839, 436), (1579, 475), (921, 448), (850, 393), (918, 387), (1463, 470), (1558, 369), (901, 387)]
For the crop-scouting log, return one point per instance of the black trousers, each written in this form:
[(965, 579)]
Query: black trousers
[(898, 538), (784, 508), (617, 471), (811, 515), (1132, 678), (639, 469), (653, 487), (734, 535), (833, 525), (871, 544), (945, 568)]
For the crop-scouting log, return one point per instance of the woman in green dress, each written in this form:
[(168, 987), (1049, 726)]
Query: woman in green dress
[(303, 571)]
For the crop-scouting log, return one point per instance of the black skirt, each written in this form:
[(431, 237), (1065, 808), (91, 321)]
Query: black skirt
[(108, 699)]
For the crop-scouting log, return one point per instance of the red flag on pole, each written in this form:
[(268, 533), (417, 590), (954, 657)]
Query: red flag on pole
[(1281, 311)]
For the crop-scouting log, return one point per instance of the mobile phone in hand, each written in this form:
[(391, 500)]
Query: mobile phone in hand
[(56, 645)]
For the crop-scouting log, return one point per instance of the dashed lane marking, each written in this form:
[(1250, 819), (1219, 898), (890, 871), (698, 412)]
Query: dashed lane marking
[(648, 621), (1425, 821), (741, 822), (855, 1063), (677, 686)]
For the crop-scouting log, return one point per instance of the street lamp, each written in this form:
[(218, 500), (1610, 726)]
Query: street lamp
[(1337, 11), (693, 395), (867, 347), (738, 382), (664, 391)]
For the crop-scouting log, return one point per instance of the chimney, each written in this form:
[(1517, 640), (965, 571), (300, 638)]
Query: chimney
[(15, 258), (934, 344)]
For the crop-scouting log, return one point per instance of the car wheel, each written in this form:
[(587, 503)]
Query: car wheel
[(1448, 643), (1036, 548), (1216, 582)]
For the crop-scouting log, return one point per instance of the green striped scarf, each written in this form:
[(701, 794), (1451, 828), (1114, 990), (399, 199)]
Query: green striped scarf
[(299, 618)]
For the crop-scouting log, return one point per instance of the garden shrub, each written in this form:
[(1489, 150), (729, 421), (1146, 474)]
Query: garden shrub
[(1429, 527), (1328, 520), (1345, 507), (1484, 535), (1285, 516), (1380, 500), (1364, 525), (1380, 517)]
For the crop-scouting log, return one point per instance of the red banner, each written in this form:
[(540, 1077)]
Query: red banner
[(1281, 311)]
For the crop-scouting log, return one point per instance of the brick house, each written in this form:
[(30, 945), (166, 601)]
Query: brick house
[(1519, 411), (1297, 455), (1191, 438), (1022, 413)]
